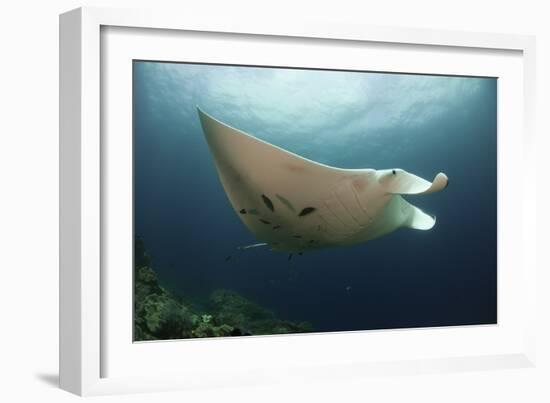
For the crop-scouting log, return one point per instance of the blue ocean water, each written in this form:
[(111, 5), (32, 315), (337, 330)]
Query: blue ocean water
[(423, 124)]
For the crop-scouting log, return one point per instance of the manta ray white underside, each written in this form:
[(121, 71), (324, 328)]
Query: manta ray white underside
[(294, 204)]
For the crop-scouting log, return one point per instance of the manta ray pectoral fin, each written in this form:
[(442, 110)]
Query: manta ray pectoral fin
[(402, 182), (420, 220)]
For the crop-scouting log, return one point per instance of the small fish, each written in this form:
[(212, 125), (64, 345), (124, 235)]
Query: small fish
[(276, 227), (243, 211), (264, 221)]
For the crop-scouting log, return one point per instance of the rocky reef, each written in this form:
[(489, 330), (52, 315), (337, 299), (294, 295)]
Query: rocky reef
[(161, 315)]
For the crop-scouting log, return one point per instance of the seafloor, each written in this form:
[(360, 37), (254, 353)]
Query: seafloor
[(161, 315)]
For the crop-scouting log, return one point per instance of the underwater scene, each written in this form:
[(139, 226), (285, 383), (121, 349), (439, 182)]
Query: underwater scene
[(272, 200)]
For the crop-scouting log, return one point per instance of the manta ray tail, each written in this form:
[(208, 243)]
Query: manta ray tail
[(254, 245), (241, 248)]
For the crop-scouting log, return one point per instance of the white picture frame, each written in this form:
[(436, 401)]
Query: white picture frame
[(83, 173)]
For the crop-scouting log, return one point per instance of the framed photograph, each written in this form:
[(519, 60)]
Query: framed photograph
[(251, 202)]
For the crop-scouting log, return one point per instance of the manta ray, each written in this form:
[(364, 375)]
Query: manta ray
[(294, 204)]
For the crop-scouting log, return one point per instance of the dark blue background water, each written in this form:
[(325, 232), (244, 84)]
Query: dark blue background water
[(423, 124)]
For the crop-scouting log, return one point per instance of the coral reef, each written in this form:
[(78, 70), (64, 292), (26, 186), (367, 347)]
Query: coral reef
[(249, 318), (161, 315)]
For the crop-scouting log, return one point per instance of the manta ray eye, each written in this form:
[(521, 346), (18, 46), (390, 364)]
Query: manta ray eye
[(393, 171)]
